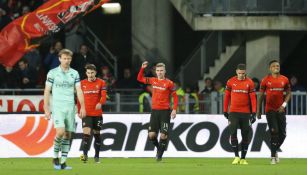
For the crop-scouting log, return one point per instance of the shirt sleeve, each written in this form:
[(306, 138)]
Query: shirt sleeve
[(142, 79), (263, 85), (50, 79), (227, 96), (77, 80), (252, 95), (103, 93), (172, 89)]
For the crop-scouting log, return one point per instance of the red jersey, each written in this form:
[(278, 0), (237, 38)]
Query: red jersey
[(94, 92), (161, 91), (274, 89), (241, 94)]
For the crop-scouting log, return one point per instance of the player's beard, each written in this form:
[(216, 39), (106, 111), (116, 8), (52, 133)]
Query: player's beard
[(92, 78)]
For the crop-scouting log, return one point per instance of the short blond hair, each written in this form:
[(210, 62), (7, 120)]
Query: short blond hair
[(160, 65), (65, 52)]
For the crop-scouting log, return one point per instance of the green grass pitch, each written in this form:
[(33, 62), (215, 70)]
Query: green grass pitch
[(148, 166)]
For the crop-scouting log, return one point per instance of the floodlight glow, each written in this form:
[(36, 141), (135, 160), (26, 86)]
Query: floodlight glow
[(111, 8)]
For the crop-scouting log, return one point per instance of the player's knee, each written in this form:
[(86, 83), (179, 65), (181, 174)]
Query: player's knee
[(163, 136), (67, 135), (60, 133), (87, 130), (274, 131), (152, 136), (96, 132)]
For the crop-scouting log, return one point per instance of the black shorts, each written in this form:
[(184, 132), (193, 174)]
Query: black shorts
[(93, 122), (159, 121), (277, 122), (239, 121)]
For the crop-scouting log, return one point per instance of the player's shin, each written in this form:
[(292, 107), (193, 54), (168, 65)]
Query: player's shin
[(97, 144), (162, 145), (274, 144), (86, 143), (154, 141), (244, 149), (65, 149), (245, 143), (57, 146), (235, 145)]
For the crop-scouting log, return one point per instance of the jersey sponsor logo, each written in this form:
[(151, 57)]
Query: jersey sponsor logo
[(276, 89), (157, 87), (64, 84), (33, 139), (240, 91), (91, 92)]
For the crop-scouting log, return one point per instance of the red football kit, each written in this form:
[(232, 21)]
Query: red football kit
[(241, 94), (94, 92), (274, 89), (161, 91)]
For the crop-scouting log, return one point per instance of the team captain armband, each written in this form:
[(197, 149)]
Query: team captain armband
[(50, 80)]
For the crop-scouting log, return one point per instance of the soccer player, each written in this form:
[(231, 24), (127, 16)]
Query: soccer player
[(162, 88), (63, 81), (240, 92), (274, 85), (94, 90)]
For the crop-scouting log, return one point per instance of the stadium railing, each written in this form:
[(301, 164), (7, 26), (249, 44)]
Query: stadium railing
[(127, 101), (248, 7)]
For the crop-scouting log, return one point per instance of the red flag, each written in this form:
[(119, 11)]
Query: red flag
[(24, 33)]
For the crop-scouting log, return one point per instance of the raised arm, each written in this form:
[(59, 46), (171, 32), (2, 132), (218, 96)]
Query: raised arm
[(141, 77)]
